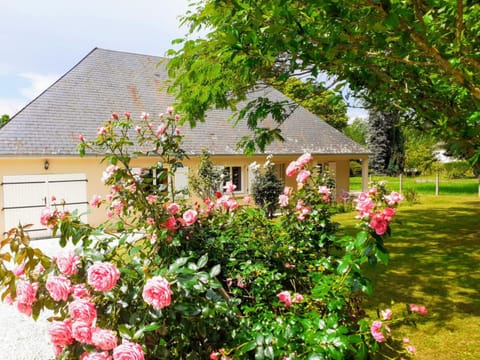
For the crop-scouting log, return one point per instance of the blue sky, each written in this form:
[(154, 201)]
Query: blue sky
[(43, 39)]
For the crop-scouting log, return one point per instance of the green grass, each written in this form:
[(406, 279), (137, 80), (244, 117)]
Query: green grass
[(434, 261), (425, 185)]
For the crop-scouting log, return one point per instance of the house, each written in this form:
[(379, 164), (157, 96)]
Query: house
[(38, 156)]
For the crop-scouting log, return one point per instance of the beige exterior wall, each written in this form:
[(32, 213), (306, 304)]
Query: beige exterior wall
[(93, 168)]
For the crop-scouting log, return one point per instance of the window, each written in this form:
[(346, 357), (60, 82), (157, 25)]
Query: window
[(234, 174)]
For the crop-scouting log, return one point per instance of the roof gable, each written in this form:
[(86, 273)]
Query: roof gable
[(108, 81)]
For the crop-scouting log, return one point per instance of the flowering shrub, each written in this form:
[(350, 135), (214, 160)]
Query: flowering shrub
[(162, 280)]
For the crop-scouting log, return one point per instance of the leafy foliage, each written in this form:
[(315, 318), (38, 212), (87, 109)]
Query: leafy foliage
[(419, 58), (231, 283), (266, 188)]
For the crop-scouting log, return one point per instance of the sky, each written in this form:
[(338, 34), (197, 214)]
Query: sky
[(40, 40)]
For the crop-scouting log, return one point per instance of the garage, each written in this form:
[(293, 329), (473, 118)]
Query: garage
[(24, 197)]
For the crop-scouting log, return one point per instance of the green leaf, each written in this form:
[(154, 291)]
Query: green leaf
[(202, 261), (215, 270)]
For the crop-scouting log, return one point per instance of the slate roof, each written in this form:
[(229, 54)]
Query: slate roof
[(105, 81)]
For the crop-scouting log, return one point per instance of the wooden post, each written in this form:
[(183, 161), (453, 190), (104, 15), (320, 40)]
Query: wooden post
[(437, 183)]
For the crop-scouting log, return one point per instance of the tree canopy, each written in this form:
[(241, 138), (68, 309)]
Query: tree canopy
[(418, 57)]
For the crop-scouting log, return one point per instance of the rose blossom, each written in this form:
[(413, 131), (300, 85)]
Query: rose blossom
[(157, 292), (104, 339), (190, 217), (302, 176), (96, 200), (48, 217), (68, 264), (170, 110), (82, 309), (103, 276), (304, 159), (95, 356), (283, 200), (26, 292), (292, 168), (82, 331), (170, 224), (173, 208), (151, 198), (411, 349), (19, 270), (80, 291), (58, 287), (230, 187), (25, 308), (393, 198), (376, 331), (60, 332), (128, 351), (285, 297), (386, 314), (422, 310)]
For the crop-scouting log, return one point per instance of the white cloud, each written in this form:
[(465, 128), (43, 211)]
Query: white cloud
[(38, 83), (11, 106)]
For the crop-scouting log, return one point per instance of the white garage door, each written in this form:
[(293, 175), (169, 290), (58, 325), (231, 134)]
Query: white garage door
[(24, 197)]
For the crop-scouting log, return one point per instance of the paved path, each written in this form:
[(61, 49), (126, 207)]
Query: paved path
[(21, 337)]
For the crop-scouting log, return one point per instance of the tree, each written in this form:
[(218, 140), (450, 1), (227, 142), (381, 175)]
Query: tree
[(385, 141), (266, 188), (209, 178), (316, 98), (4, 119), (357, 131), (418, 57)]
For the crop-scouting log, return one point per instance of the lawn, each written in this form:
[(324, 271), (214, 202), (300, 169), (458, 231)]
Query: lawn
[(435, 257), (425, 185)]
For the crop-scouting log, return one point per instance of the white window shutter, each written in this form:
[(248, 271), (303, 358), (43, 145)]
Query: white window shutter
[(251, 176), (181, 178)]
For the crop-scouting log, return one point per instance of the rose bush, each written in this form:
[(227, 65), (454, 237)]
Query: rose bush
[(164, 279)]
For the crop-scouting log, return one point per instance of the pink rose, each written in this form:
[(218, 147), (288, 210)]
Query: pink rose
[(230, 187), (152, 198), (393, 198), (82, 331), (297, 298), (114, 116), (95, 356), (304, 159), (177, 117), (190, 217), (283, 200), (103, 276), (82, 309), (48, 217), (59, 287), (386, 314), (81, 137), (19, 270), (104, 339), (169, 110), (247, 199), (411, 349), (173, 208), (61, 332), (302, 176), (95, 201), (379, 224), (170, 224), (161, 130), (420, 309), (127, 114), (128, 351), (292, 168), (157, 292), (25, 308), (376, 331), (68, 264), (80, 291), (101, 131), (232, 204), (26, 292), (285, 297)]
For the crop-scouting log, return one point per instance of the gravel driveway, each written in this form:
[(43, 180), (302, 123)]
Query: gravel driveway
[(22, 338)]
